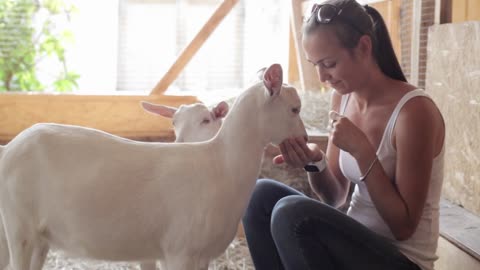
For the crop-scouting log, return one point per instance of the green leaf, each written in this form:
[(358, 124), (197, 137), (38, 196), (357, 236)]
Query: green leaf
[(23, 45)]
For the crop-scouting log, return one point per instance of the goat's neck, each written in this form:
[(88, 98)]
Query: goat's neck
[(242, 139)]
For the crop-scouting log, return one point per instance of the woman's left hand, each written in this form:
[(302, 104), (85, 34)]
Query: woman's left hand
[(347, 136)]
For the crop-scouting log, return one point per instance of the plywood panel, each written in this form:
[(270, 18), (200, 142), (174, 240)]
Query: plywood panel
[(453, 79)]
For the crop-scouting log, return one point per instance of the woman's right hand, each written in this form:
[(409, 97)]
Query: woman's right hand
[(296, 152)]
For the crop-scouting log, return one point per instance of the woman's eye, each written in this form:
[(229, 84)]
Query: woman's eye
[(206, 121), (329, 64)]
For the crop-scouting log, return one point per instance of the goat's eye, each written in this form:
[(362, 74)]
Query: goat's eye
[(296, 110), (206, 121)]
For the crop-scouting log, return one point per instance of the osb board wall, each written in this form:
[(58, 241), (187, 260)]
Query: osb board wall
[(453, 79)]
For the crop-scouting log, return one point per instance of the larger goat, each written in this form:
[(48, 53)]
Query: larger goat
[(192, 123), (99, 196)]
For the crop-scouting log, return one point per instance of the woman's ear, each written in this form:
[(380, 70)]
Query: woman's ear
[(365, 47)]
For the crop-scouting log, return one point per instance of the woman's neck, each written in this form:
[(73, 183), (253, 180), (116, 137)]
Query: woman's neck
[(378, 88)]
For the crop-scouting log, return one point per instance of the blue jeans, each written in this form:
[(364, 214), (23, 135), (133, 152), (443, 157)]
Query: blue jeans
[(287, 230)]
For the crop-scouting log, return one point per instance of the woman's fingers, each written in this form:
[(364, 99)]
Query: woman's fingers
[(295, 152), (297, 147), (285, 154), (334, 116), (293, 155)]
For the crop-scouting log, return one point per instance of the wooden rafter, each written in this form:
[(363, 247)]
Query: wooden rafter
[(220, 13)]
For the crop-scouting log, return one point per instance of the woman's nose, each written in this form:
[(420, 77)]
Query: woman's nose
[(322, 75)]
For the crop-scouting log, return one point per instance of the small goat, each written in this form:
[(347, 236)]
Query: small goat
[(194, 122), (96, 195)]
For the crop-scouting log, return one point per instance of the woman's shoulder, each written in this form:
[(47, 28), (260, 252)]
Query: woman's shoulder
[(420, 113)]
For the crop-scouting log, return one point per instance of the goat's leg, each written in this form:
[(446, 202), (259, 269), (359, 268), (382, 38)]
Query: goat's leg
[(39, 255), (20, 237), (181, 263), (4, 254), (148, 265), (21, 250)]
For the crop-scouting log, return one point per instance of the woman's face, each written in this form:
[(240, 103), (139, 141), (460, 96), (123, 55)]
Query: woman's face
[(335, 65)]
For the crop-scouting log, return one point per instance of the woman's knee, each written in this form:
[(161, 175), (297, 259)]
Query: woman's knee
[(292, 210), (263, 186), (289, 209)]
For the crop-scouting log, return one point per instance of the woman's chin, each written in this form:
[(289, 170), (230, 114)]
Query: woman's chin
[(340, 89)]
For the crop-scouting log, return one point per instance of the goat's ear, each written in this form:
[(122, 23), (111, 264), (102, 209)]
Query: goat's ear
[(220, 110), (260, 73), (162, 110), (273, 79)]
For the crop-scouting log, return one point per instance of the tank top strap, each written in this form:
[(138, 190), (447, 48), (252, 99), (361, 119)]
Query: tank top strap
[(393, 118), (343, 103)]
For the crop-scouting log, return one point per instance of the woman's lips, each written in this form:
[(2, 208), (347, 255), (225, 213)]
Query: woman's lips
[(333, 84)]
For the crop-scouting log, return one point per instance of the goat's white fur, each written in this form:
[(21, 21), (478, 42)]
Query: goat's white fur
[(191, 123), (96, 195), (194, 123)]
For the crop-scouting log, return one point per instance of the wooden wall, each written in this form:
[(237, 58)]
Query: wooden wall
[(465, 10), (116, 114)]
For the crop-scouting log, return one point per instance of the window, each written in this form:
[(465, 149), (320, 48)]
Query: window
[(153, 33), (129, 45)]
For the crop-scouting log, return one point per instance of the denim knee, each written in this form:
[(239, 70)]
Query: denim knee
[(286, 212)]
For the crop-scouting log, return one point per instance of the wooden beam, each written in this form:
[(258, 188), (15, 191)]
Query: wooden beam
[(307, 72), (459, 10), (473, 10), (293, 76), (443, 11), (192, 48), (116, 114), (415, 46)]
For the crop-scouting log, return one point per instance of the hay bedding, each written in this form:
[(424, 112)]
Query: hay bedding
[(236, 257)]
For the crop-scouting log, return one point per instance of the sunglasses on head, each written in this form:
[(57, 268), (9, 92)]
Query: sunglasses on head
[(325, 13)]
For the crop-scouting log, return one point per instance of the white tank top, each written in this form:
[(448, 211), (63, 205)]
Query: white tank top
[(421, 246)]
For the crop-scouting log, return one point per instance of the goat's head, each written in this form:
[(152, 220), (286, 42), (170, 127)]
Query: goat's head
[(192, 123)]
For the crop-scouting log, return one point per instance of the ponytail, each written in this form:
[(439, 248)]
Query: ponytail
[(383, 48)]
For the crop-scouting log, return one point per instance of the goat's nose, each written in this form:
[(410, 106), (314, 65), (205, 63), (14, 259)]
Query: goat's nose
[(306, 138)]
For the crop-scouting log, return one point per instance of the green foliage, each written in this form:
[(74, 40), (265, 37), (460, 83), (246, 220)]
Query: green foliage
[(28, 35)]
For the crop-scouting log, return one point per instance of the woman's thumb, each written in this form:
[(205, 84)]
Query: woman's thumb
[(334, 116), (278, 159)]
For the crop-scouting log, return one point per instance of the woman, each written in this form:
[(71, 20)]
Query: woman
[(387, 137)]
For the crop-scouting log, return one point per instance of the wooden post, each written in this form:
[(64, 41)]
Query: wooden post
[(293, 76), (194, 46), (443, 11), (308, 75)]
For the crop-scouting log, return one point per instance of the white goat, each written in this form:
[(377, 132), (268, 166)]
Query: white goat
[(192, 123), (96, 195)]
